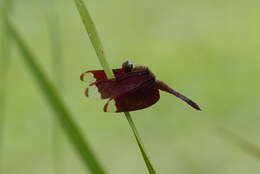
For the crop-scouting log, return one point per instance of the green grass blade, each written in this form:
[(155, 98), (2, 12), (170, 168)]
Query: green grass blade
[(97, 44), (57, 64), (140, 144), (5, 7), (93, 36), (55, 102), (240, 142), (55, 41)]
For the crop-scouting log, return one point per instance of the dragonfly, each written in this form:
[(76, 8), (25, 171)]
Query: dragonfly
[(133, 88)]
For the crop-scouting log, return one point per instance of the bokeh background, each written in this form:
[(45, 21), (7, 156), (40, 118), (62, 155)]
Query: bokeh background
[(208, 50)]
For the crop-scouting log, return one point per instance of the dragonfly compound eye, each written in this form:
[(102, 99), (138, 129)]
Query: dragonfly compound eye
[(127, 66)]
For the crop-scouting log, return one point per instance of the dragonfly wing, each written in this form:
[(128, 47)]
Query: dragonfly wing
[(110, 88), (97, 75), (139, 98)]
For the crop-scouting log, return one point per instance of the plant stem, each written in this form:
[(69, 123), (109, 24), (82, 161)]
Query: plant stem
[(5, 7), (56, 51), (55, 41), (140, 144), (240, 142), (93, 36), (56, 103), (97, 44)]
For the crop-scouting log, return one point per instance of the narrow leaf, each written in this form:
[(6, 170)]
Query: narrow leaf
[(5, 7), (96, 42), (240, 142), (57, 64), (140, 144), (93, 36), (55, 102)]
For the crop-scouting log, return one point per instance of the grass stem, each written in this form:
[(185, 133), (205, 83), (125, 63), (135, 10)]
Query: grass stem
[(240, 142), (56, 103), (97, 44), (140, 144), (5, 7), (57, 63)]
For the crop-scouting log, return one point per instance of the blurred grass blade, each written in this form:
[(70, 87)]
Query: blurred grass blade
[(5, 7), (97, 44), (57, 63), (55, 102), (240, 142), (55, 41)]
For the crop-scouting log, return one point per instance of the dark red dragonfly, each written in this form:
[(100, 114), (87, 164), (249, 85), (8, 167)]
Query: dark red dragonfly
[(133, 88)]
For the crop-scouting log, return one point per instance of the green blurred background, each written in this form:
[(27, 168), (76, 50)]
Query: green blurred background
[(208, 50)]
